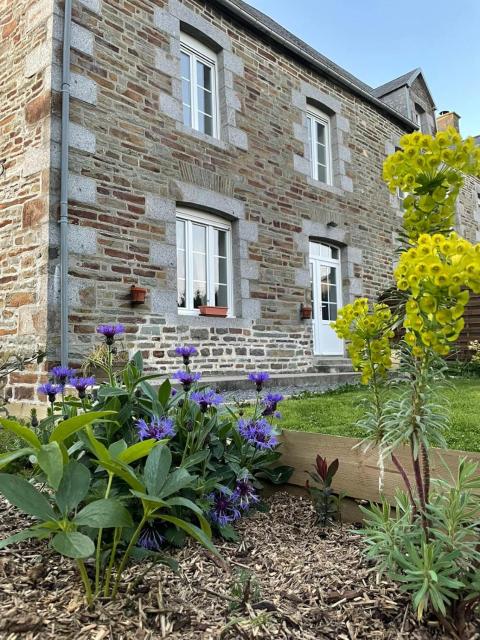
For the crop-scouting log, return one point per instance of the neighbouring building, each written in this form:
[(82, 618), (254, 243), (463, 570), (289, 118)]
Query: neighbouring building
[(215, 160)]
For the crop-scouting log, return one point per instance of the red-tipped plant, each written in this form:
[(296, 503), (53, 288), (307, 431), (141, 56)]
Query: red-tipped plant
[(325, 501)]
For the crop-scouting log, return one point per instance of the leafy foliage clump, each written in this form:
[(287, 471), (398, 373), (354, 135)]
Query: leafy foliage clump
[(129, 467)]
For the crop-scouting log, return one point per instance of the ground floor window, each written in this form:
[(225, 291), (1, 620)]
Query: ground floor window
[(326, 292), (204, 270)]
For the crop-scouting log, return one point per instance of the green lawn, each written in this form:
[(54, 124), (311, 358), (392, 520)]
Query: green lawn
[(336, 412)]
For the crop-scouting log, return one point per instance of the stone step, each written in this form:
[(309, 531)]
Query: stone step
[(291, 383), (333, 365)]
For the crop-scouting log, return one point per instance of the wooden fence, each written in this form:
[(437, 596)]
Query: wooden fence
[(472, 325), (358, 473)]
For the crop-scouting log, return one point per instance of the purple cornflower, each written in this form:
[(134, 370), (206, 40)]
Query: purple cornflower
[(62, 374), (258, 433), (158, 429), (186, 378), (50, 390), (150, 537), (186, 351), (224, 510), (81, 384), (244, 494), (259, 377), (206, 399), (174, 393), (270, 402), (110, 331)]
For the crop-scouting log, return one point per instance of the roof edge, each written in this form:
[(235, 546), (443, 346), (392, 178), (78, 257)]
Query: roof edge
[(249, 19)]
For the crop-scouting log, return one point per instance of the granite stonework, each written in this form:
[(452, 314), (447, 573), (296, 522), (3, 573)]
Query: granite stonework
[(132, 162)]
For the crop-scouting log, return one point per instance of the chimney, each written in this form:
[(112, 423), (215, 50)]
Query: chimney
[(448, 119)]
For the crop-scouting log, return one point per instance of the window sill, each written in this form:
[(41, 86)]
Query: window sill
[(216, 142), (325, 187), (196, 320)]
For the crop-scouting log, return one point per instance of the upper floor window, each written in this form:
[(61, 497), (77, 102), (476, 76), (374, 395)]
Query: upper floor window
[(204, 261), (199, 86), (320, 146)]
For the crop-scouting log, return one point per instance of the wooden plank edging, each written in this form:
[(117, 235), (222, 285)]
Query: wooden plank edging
[(358, 474)]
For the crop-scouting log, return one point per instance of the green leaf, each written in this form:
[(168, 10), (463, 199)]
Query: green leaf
[(157, 467), (124, 472), (140, 554), (50, 460), (27, 534), (192, 530), (138, 361), (98, 448), (10, 456), (22, 432), (195, 458), (228, 533), (137, 451), (177, 480), (66, 428), (116, 448), (278, 475), (103, 514), (73, 488), (104, 391), (73, 544), (164, 392), (188, 504), (23, 495)]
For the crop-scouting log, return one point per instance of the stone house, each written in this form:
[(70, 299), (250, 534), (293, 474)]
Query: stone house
[(206, 154)]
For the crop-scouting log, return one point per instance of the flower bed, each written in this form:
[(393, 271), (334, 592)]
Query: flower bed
[(305, 585)]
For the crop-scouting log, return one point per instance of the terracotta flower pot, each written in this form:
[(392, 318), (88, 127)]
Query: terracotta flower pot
[(137, 294), (219, 312), (305, 313)]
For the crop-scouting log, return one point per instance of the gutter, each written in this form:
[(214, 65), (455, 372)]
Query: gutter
[(287, 44), (65, 131)]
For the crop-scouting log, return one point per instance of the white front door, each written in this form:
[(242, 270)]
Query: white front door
[(326, 283)]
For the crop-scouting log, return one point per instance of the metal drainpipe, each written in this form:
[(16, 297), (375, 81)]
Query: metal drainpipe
[(65, 126)]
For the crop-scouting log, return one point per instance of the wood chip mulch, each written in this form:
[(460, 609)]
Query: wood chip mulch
[(304, 585)]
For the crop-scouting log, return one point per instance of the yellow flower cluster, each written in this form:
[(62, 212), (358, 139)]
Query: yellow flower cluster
[(439, 272), (369, 333), (429, 170)]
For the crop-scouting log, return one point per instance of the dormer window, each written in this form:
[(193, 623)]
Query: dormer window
[(199, 86), (318, 125)]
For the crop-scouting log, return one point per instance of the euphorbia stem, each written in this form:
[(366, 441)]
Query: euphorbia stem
[(426, 472), (406, 481)]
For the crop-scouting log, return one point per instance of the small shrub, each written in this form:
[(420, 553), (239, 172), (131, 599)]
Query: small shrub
[(325, 501)]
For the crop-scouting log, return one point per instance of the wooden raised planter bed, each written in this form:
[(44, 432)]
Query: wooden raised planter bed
[(358, 473)]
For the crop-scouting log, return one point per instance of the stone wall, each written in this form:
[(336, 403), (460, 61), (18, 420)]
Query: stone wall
[(132, 161), (138, 162), (26, 32)]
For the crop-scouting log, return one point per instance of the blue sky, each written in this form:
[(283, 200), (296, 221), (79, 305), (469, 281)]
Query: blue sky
[(378, 40)]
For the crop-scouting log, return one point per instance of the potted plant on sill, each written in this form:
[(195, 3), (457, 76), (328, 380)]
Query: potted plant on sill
[(219, 312)]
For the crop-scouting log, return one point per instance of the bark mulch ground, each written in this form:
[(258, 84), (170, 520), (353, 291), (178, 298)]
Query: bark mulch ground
[(303, 586)]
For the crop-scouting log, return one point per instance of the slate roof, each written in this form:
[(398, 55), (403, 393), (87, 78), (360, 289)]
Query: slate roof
[(276, 32), (477, 140), (397, 83)]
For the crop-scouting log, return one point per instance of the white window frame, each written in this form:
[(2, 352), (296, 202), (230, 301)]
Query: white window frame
[(211, 222), (199, 52), (316, 116)]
